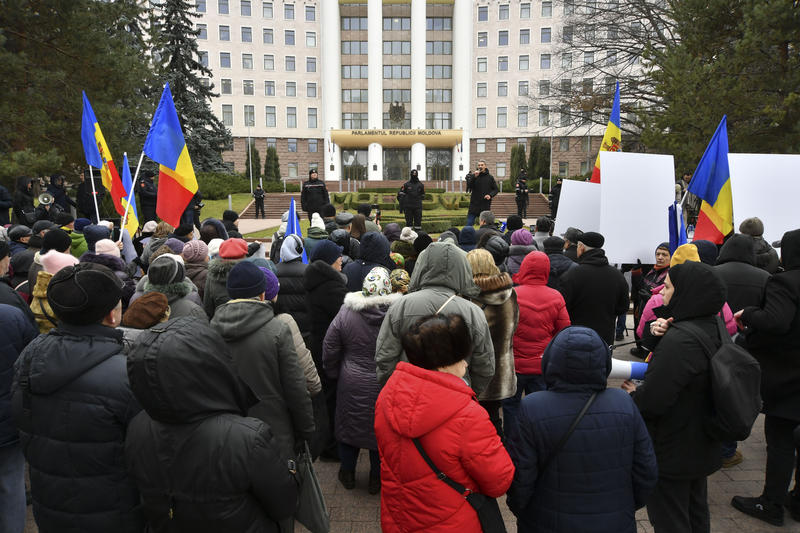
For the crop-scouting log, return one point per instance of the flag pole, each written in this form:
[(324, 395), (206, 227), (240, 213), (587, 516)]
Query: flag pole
[(130, 194), (94, 194)]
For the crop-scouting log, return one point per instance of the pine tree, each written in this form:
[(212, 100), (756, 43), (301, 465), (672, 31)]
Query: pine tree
[(256, 163), (272, 167), (177, 61), (539, 159), (517, 161)]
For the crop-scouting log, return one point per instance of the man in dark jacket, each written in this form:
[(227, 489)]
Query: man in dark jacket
[(72, 404), (607, 467), (59, 191), (85, 197), (6, 203), (194, 414), (486, 224), (521, 194), (555, 197), (766, 256), (373, 251), (736, 267), (595, 292), (258, 195), (482, 188), (7, 293), (314, 194), (413, 192), (23, 202), (292, 295), (148, 196), (559, 262), (231, 252)]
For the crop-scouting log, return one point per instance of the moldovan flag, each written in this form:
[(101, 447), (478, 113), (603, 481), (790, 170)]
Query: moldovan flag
[(166, 146), (132, 222), (711, 183), (612, 140), (98, 156)]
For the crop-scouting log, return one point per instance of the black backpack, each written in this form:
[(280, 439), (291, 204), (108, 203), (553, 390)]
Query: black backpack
[(735, 384)]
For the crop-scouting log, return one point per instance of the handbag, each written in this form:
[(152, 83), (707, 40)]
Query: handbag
[(487, 508), (566, 436), (311, 509)]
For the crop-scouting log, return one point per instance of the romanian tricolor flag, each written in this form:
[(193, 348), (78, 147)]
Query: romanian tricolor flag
[(132, 222), (711, 183), (166, 146), (98, 155), (612, 140)]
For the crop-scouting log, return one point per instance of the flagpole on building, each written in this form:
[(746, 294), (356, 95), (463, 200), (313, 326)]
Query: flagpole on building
[(94, 194), (130, 194)]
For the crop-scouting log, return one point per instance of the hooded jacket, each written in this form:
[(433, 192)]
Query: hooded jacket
[(542, 313), (348, 355), (457, 435), (183, 300), (675, 399), (198, 273), (16, 331), (607, 467), (559, 264), (216, 291), (766, 256), (314, 236), (442, 271), (292, 294), (200, 464), (266, 361), (73, 434), (736, 267), (772, 334), (23, 202), (467, 238), (595, 293), (325, 292), (519, 247), (78, 246), (374, 251)]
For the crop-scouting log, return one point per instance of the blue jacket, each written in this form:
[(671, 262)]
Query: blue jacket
[(16, 331), (607, 467)]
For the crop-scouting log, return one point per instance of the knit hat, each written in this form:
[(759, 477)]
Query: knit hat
[(400, 280), (106, 247), (106, 224), (398, 259), (377, 283), (327, 211), (146, 311), (81, 223), (42, 225), (513, 223), (592, 239), (273, 285), (56, 239), (683, 253), (213, 247), (165, 270), (53, 261), (233, 249), (448, 236), (498, 247), (176, 245), (521, 237), (392, 231), (246, 281), (18, 232), (292, 247), (195, 251), (317, 222), (83, 294), (421, 242), (326, 251), (64, 219), (482, 263), (94, 233), (663, 246), (149, 226), (553, 245), (408, 235)]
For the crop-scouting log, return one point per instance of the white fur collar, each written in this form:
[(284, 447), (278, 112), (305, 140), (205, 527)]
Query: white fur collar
[(357, 301)]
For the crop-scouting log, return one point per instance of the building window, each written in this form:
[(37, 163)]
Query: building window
[(546, 35), (500, 170), (202, 31), (547, 9), (544, 116), (204, 58), (389, 95), (312, 117), (480, 145), (311, 64), (502, 88), (563, 144), (567, 35), (563, 168), (266, 10), (311, 13), (434, 71), (247, 34), (224, 33), (361, 47), (483, 39), (502, 117), (438, 95), (502, 63), (292, 167), (544, 87), (312, 146), (269, 62), (482, 63), (225, 86), (502, 38), (269, 88), (288, 37), (564, 118), (396, 71), (483, 13), (544, 61), (436, 48), (588, 58), (524, 62), (482, 92), (247, 61), (248, 88), (358, 96), (611, 58), (249, 115), (227, 115), (525, 36), (272, 142), (288, 11), (525, 10), (291, 88), (311, 90), (291, 145), (480, 121), (311, 39), (267, 36), (502, 12), (438, 121), (523, 88), (244, 8), (200, 5), (359, 23), (354, 121), (355, 72), (566, 60), (291, 117), (522, 116), (394, 48), (588, 86), (225, 59), (566, 86), (222, 7), (501, 145), (290, 64), (271, 120), (438, 23), (393, 24)]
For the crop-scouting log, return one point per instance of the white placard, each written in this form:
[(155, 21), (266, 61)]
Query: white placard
[(766, 186), (578, 207), (636, 191)]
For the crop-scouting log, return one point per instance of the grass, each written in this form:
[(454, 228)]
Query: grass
[(214, 208)]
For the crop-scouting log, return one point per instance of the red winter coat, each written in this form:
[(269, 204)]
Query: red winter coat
[(440, 410), (542, 313)]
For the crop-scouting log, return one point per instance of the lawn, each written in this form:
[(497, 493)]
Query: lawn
[(214, 208)]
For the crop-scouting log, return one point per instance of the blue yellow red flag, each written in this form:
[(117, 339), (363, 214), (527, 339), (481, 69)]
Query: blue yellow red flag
[(711, 182), (166, 146), (612, 139), (677, 229), (97, 155), (132, 222)]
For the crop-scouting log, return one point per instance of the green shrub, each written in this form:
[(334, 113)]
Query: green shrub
[(218, 185), (277, 186), (450, 201), (341, 198)]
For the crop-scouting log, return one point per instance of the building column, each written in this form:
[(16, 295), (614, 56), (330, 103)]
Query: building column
[(462, 84), (375, 85), (331, 48), (418, 160), (375, 158), (418, 56)]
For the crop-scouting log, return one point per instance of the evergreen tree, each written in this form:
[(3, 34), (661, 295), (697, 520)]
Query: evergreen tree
[(252, 151), (539, 158), (518, 162), (177, 61), (272, 167)]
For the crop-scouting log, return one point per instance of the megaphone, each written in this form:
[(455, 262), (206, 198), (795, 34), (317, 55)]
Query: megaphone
[(45, 198)]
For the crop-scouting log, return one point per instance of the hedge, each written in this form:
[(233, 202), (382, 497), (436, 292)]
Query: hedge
[(218, 185)]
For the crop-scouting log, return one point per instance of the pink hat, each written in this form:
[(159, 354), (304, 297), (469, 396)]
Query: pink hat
[(106, 247), (195, 251), (54, 261)]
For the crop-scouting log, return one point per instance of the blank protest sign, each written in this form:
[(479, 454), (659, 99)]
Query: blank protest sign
[(766, 186), (636, 191), (578, 207)]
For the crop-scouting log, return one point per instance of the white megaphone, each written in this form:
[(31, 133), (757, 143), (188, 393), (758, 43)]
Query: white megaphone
[(46, 198), (627, 369)]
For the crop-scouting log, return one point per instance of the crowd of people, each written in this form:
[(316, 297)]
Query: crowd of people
[(168, 380)]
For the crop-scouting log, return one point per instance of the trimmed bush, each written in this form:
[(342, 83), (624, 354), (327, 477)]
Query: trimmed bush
[(218, 185)]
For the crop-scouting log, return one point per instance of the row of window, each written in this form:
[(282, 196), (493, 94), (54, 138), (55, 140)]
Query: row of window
[(545, 36), (248, 88), (396, 23), (267, 35), (290, 62), (359, 121), (267, 9), (397, 95), (546, 116), (565, 86), (546, 60), (503, 11), (354, 72), (270, 114)]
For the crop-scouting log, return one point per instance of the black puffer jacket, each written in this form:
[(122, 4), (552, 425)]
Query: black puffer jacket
[(559, 264), (200, 464), (23, 203), (292, 294), (325, 292), (736, 267), (73, 434), (16, 331), (766, 256), (374, 252), (675, 399), (480, 186), (414, 192)]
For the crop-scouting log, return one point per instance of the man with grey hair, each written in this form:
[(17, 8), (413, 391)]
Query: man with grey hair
[(483, 188), (486, 224), (766, 256)]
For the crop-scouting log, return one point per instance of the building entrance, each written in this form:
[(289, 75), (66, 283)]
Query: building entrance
[(396, 163), (438, 163), (354, 164)]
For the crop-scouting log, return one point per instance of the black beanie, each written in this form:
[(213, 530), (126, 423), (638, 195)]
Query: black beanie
[(56, 239), (83, 294), (246, 280)]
